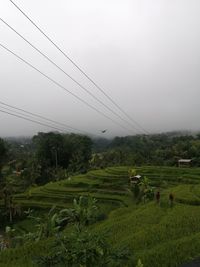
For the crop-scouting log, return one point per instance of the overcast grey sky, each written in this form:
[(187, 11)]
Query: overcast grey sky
[(144, 53)]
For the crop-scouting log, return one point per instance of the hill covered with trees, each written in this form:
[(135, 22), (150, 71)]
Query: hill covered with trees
[(159, 149), (68, 200)]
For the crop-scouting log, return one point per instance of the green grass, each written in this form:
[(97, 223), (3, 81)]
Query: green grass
[(149, 227), (158, 234)]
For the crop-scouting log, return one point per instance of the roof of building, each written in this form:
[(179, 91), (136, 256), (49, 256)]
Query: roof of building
[(136, 177), (184, 160)]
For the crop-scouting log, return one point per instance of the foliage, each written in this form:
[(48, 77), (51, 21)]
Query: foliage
[(139, 264), (45, 227), (157, 234), (131, 172), (83, 249), (80, 147), (83, 213), (142, 190), (3, 153), (9, 209), (147, 192), (53, 151), (135, 189), (158, 149)]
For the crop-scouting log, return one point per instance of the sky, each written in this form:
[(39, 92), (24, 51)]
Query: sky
[(144, 54)]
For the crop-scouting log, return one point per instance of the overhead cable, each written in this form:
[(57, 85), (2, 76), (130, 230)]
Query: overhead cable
[(31, 114), (31, 120), (62, 87), (80, 69), (69, 76)]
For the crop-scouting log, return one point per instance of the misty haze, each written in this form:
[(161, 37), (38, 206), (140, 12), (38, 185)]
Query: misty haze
[(143, 54)]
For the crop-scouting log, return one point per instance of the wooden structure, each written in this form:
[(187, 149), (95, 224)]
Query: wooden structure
[(184, 162), (135, 179)]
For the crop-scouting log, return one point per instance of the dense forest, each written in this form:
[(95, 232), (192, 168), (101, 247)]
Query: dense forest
[(159, 149), (47, 156)]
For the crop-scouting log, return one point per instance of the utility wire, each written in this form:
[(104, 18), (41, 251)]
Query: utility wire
[(69, 76), (79, 68), (62, 87), (34, 121), (40, 116)]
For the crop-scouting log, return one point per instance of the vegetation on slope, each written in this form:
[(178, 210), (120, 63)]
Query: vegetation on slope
[(157, 234)]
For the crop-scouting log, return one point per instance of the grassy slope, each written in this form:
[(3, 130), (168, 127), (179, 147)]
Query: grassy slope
[(161, 236)]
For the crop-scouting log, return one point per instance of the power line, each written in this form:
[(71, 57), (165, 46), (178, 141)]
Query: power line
[(62, 87), (69, 76), (34, 121), (79, 68), (40, 116)]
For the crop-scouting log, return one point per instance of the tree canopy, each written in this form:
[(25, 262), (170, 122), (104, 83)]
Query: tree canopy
[(65, 151)]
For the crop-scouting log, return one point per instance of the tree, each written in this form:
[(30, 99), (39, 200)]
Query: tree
[(79, 247), (146, 190), (80, 148), (83, 212), (64, 151), (142, 190), (83, 249), (3, 153), (46, 226)]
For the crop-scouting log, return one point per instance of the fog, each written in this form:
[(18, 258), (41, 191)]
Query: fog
[(145, 54)]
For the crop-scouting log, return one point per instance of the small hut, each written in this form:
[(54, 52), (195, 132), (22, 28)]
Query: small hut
[(135, 179), (184, 162)]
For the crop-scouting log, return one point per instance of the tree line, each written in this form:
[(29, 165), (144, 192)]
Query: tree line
[(158, 149), (52, 156), (45, 157)]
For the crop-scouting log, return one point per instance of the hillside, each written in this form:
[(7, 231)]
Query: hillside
[(159, 235)]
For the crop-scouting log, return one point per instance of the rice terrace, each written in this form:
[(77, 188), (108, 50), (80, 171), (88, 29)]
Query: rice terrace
[(156, 233)]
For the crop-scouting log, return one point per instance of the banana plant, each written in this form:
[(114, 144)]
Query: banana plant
[(83, 212)]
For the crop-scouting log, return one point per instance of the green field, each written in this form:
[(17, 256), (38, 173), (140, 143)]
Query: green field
[(160, 235)]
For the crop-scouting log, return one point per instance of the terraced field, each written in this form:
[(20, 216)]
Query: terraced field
[(160, 235), (110, 184), (101, 184)]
